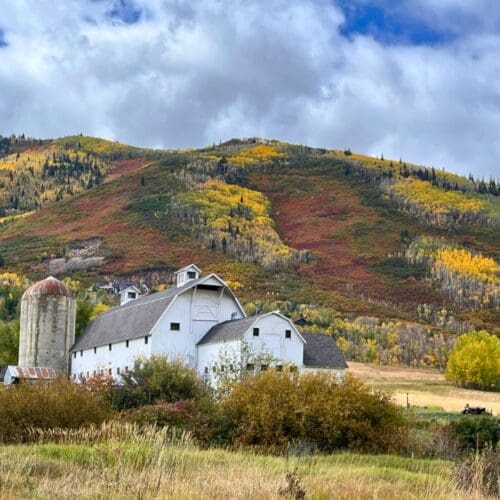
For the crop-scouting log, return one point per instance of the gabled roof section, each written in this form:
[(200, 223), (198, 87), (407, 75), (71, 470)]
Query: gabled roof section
[(321, 351), (136, 318), (228, 330), (236, 328), (190, 266)]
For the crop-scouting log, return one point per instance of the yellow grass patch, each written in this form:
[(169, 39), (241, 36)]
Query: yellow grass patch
[(425, 387)]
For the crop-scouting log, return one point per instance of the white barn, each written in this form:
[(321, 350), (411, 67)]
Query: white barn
[(199, 321)]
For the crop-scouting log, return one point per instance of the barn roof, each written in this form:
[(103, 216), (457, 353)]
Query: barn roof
[(234, 329), (321, 351), (134, 319), (228, 330)]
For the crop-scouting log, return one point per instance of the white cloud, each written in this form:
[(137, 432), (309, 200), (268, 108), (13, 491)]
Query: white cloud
[(191, 73)]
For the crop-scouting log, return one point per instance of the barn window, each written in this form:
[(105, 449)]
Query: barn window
[(126, 343), (222, 368), (206, 369), (74, 354), (81, 353), (131, 295), (110, 347), (126, 369), (146, 339), (191, 275), (250, 367), (263, 368), (175, 327), (279, 368), (288, 334), (95, 350), (118, 370), (214, 369), (110, 371), (255, 332)]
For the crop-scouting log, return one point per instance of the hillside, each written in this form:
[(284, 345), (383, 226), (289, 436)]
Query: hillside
[(392, 258)]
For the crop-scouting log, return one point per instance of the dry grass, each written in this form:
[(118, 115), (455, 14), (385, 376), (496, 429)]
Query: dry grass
[(425, 386), (126, 463)]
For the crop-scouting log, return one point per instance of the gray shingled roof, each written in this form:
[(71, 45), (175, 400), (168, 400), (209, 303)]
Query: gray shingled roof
[(322, 351), (129, 321), (228, 330)]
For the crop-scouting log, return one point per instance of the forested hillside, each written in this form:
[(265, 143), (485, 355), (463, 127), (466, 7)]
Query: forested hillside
[(392, 258)]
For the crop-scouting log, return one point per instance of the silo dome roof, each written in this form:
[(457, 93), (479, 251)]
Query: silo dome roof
[(48, 286)]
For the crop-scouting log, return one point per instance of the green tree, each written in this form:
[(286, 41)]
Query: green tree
[(9, 342), (475, 361)]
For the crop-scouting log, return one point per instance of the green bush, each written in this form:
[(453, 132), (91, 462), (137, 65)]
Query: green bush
[(158, 379), (9, 342), (474, 432), (399, 267), (272, 409), (166, 393), (60, 404)]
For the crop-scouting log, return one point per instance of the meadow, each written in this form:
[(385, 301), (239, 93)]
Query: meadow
[(426, 387), (121, 462)]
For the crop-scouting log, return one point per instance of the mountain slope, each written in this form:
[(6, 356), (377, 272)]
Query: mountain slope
[(329, 236)]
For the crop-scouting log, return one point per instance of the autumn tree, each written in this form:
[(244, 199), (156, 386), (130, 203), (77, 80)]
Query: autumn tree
[(475, 361)]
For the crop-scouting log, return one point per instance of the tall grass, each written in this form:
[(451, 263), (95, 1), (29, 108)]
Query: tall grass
[(124, 461)]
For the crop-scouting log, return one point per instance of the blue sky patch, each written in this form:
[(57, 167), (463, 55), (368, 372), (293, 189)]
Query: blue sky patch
[(388, 25), (125, 11)]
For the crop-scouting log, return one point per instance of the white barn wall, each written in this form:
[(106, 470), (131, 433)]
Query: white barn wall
[(338, 372), (272, 339), (196, 311), (210, 354), (87, 362)]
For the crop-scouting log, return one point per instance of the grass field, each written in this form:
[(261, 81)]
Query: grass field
[(425, 387), (146, 465)]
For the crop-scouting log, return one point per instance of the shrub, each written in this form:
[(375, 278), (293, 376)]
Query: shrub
[(475, 361), (474, 433), (61, 404), (270, 409), (200, 420), (166, 393), (158, 379), (348, 415), (262, 410)]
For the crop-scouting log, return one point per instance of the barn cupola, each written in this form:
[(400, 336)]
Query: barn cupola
[(186, 274), (128, 294)]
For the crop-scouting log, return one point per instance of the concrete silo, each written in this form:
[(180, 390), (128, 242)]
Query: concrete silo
[(48, 315)]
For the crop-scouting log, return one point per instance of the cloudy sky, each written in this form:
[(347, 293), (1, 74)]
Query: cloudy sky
[(417, 79)]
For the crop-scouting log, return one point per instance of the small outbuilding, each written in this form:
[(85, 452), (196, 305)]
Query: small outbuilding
[(17, 374)]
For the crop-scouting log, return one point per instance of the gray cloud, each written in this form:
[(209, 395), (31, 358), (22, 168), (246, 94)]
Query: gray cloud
[(175, 74)]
